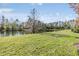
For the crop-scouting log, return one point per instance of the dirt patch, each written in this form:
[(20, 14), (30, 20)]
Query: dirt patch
[(76, 45)]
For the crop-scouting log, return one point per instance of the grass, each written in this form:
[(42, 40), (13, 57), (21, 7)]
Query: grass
[(59, 43)]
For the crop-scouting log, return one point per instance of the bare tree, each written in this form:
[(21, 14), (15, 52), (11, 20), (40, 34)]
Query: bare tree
[(34, 17), (33, 24), (75, 7)]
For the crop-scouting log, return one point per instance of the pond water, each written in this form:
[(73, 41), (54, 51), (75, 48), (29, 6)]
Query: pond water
[(11, 33)]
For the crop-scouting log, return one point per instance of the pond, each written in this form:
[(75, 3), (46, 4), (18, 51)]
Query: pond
[(11, 33)]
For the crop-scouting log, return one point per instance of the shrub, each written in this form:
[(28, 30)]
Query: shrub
[(75, 29)]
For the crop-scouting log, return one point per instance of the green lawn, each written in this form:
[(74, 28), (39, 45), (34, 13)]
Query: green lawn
[(59, 43)]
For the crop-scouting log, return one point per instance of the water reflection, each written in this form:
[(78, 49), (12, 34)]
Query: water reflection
[(11, 33)]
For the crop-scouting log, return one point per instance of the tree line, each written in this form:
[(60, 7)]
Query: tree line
[(34, 25)]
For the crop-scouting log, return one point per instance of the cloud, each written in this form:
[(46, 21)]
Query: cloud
[(40, 4), (6, 10), (57, 14)]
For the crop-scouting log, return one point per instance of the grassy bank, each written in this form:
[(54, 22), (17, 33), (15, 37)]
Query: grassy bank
[(43, 44)]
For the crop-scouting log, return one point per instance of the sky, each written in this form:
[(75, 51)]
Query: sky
[(48, 12)]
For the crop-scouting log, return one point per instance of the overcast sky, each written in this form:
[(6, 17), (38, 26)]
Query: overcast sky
[(47, 12)]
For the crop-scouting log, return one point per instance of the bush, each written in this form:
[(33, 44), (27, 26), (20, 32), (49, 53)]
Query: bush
[(75, 29)]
